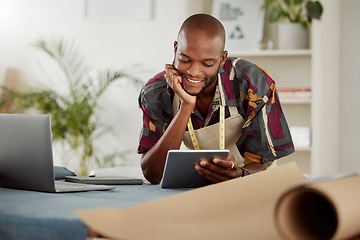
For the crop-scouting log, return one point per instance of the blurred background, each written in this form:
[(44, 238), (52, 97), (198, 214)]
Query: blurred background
[(138, 39)]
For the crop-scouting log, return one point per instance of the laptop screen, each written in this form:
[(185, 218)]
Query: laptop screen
[(26, 152)]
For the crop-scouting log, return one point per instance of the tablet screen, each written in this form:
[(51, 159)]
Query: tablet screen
[(179, 171)]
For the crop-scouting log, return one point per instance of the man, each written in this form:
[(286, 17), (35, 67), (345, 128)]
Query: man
[(185, 103)]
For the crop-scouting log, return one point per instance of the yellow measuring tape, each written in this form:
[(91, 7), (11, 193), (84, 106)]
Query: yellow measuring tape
[(221, 131), (222, 128), (192, 135)]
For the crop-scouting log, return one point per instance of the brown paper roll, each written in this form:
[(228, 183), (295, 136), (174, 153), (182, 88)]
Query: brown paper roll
[(241, 208), (327, 209)]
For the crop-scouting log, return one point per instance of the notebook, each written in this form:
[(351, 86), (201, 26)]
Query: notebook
[(179, 171), (26, 158), (108, 180)]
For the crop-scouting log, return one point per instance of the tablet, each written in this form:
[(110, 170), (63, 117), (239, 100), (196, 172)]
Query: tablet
[(179, 171), (104, 180)]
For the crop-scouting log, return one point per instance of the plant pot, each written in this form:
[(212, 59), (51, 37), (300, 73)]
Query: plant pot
[(292, 36)]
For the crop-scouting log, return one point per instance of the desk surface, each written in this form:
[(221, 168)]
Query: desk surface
[(36, 215)]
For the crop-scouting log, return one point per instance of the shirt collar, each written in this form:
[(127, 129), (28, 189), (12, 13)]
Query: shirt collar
[(225, 88)]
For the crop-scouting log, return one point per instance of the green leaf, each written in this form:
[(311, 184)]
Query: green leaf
[(275, 14), (296, 2), (269, 2), (314, 10), (304, 23)]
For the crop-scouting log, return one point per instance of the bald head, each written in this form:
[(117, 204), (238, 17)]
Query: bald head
[(204, 24)]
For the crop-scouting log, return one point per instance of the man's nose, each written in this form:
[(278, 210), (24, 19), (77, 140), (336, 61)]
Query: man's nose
[(194, 69)]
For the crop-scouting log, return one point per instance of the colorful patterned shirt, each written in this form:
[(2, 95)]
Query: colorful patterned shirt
[(266, 134)]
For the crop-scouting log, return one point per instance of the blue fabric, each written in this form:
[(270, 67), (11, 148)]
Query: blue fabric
[(41, 216)]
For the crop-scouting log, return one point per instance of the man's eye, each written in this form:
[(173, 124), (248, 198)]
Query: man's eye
[(184, 61), (208, 65)]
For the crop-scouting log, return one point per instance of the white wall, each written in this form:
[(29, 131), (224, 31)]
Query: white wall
[(349, 86), (106, 44)]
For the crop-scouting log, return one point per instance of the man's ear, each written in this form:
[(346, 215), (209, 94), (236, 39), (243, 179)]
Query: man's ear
[(175, 46), (223, 58)]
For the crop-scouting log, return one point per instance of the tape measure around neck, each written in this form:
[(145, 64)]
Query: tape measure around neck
[(192, 135), (222, 128), (221, 131)]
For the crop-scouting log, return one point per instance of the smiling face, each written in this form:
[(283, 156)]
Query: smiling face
[(198, 56)]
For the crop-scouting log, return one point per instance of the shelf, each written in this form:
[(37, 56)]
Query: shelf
[(295, 101), (303, 149), (271, 53)]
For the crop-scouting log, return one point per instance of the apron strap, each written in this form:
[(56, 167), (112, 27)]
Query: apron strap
[(221, 131), (233, 110)]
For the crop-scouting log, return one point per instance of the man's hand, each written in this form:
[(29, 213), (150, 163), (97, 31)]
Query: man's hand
[(175, 80), (219, 169)]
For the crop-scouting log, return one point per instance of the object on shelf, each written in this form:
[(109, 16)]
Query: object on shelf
[(265, 43), (243, 22), (271, 53), (292, 36), (301, 136), (294, 93)]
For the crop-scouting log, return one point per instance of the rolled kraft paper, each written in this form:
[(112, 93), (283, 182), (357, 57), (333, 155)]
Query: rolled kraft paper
[(328, 209), (241, 208)]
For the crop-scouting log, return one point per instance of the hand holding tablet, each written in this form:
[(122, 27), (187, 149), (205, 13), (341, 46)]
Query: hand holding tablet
[(179, 171)]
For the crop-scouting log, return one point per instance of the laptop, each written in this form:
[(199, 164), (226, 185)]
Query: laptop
[(26, 158), (179, 171)]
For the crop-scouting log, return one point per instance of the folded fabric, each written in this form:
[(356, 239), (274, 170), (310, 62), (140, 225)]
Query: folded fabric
[(61, 172)]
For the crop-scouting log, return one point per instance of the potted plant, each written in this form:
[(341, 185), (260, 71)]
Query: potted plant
[(296, 16), (73, 119)]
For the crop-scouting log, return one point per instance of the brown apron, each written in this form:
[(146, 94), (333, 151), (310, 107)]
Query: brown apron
[(208, 137)]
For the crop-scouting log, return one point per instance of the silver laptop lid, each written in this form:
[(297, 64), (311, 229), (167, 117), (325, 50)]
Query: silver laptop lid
[(26, 160)]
